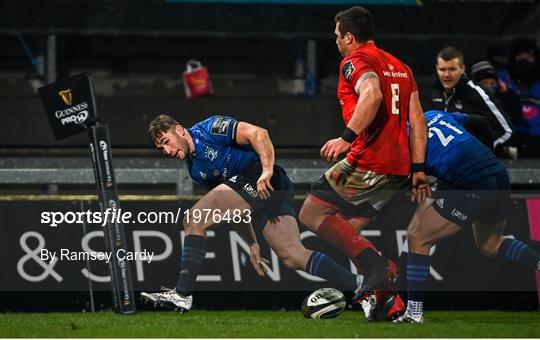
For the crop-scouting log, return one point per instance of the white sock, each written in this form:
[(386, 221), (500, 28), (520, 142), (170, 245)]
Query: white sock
[(415, 308)]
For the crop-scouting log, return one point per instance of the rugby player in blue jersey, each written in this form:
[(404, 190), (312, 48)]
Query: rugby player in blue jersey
[(475, 193), (235, 161)]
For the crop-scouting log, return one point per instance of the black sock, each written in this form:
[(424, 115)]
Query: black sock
[(193, 254), (370, 259), (517, 251), (323, 266)]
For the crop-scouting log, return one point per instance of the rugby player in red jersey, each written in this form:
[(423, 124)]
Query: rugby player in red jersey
[(379, 98)]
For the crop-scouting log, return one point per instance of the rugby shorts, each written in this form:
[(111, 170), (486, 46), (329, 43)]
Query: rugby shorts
[(281, 201), (486, 200), (356, 192)]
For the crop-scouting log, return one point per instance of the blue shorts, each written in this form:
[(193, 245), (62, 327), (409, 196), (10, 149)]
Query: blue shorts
[(281, 201), (485, 200)]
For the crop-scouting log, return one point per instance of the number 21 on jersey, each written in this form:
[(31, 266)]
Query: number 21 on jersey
[(445, 140)]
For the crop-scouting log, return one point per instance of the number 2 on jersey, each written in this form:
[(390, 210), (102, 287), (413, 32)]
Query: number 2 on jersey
[(395, 98)]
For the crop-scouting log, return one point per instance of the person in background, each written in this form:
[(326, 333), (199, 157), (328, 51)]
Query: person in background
[(484, 75), (455, 92), (523, 77)]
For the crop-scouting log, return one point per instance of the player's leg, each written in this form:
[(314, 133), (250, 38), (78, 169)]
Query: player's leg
[(283, 237), (339, 222), (219, 200), (426, 229), (357, 193), (322, 219), (489, 239), (488, 229)]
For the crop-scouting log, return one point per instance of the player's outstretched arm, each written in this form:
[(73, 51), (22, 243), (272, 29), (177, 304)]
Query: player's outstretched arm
[(259, 139), (418, 141), (369, 100)]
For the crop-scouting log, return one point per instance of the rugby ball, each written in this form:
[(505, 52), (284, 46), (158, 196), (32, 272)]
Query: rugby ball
[(324, 303)]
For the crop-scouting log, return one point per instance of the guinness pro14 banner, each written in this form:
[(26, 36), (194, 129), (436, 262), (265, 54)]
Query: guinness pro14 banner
[(70, 105)]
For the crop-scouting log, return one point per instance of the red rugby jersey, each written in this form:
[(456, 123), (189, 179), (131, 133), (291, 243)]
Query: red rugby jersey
[(383, 147)]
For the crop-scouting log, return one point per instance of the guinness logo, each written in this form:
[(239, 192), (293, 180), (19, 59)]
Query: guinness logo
[(66, 96)]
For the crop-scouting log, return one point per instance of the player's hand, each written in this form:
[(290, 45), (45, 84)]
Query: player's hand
[(420, 187), (257, 261), (333, 148), (263, 184)]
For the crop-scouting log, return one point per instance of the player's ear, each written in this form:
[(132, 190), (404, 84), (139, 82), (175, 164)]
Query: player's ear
[(350, 37), (179, 129)]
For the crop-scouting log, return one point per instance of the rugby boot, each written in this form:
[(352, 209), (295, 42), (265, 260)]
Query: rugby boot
[(379, 278), (388, 307), (169, 299), (407, 318)]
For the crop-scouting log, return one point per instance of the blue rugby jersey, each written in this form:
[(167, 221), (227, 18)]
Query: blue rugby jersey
[(454, 155), (217, 155)]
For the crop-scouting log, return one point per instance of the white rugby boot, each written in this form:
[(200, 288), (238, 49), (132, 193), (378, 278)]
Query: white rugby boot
[(170, 299), (408, 318)]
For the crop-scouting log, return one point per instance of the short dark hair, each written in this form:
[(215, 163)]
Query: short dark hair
[(159, 125), (450, 52), (358, 21)]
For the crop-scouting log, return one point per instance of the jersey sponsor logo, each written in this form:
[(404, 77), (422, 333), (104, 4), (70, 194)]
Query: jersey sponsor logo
[(347, 70), (390, 67), (233, 179), (395, 74), (249, 189), (440, 202), (203, 175), (459, 214), (220, 126), (211, 154)]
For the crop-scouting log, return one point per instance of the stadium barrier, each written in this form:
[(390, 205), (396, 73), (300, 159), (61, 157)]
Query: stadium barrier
[(154, 171)]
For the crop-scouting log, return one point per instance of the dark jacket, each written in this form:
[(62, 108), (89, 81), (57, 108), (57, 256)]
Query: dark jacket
[(469, 98)]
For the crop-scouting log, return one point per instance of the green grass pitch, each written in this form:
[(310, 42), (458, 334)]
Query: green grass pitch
[(264, 324)]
